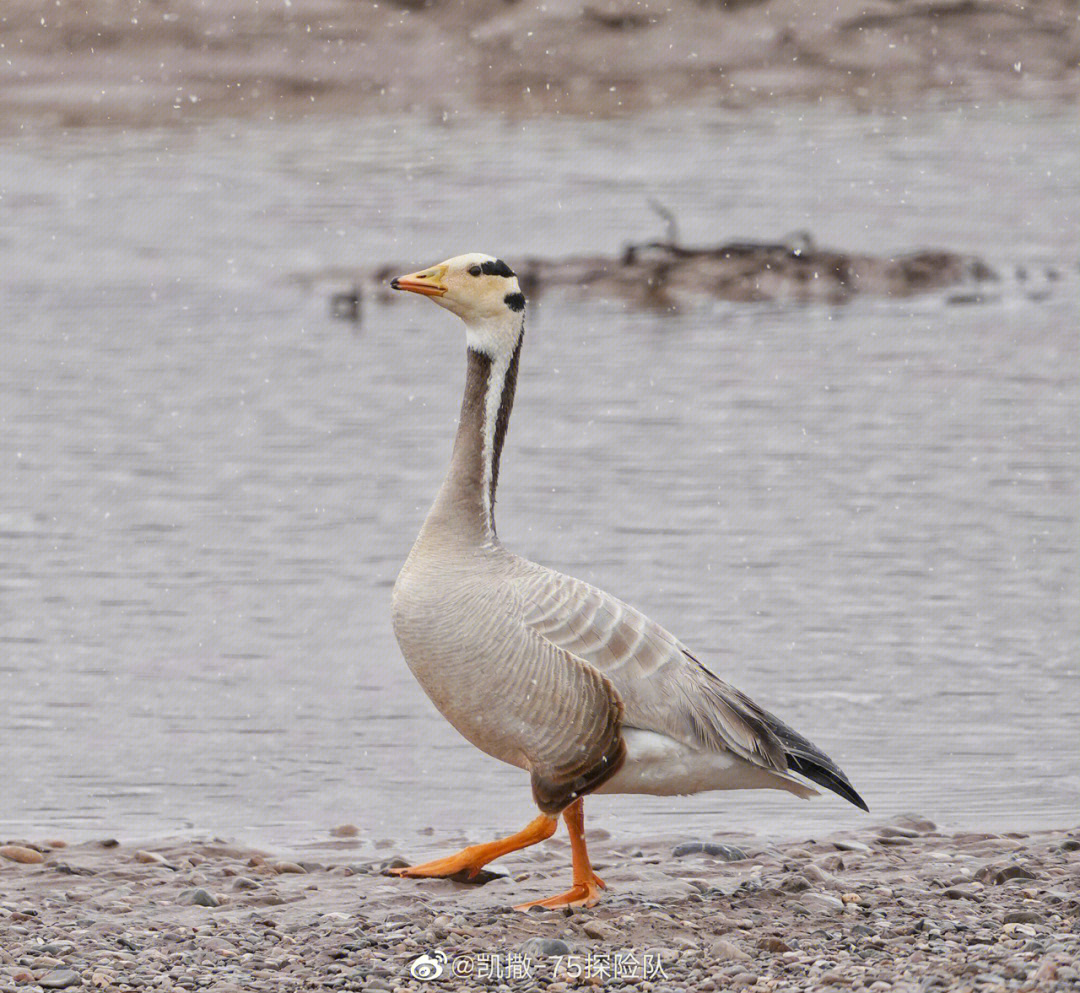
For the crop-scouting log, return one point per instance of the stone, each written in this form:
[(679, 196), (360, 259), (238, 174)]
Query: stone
[(848, 845), (67, 869), (1023, 917), (997, 875), (725, 951), (729, 853), (687, 848), (536, 947), (56, 948), (344, 831), (19, 853), (289, 867), (818, 875), (914, 822), (1047, 971), (822, 903), (219, 946), (888, 831), (599, 929), (60, 979), (772, 944)]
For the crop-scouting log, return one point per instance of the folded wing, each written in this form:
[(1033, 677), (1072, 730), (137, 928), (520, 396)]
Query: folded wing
[(662, 686)]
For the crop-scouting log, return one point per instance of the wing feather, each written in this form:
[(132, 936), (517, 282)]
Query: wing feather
[(662, 686)]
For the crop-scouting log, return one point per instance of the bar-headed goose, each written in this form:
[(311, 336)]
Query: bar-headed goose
[(546, 672)]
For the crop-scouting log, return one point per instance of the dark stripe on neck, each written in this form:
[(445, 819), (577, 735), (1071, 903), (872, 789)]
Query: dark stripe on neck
[(502, 420)]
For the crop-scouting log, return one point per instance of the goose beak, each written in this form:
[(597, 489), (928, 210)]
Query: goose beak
[(428, 283)]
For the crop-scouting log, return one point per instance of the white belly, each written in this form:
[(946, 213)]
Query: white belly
[(663, 766)]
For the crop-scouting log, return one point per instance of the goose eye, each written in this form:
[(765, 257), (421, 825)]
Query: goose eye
[(475, 270)]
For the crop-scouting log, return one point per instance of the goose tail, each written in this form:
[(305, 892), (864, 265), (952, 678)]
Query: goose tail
[(805, 758)]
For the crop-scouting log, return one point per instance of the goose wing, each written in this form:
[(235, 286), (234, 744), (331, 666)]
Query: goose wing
[(663, 687)]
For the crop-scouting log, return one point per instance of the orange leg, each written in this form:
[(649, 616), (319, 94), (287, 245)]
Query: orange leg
[(467, 863), (587, 884)]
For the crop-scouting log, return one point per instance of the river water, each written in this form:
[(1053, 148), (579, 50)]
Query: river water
[(863, 516)]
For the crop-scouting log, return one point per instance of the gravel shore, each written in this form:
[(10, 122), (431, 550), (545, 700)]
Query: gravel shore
[(125, 62), (900, 907)]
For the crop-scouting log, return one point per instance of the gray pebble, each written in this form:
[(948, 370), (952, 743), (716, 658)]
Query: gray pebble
[(54, 948), (847, 845), (1024, 917), (729, 853), (536, 947), (60, 979), (822, 902), (897, 832), (199, 897)]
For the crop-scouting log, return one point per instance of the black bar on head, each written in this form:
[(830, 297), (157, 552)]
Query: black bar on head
[(497, 268)]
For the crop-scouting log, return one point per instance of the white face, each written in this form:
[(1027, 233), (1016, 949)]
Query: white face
[(483, 291)]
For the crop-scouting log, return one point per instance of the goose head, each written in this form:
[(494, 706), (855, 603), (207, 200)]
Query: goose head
[(480, 289)]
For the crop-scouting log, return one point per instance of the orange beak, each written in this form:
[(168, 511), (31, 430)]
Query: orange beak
[(428, 283)]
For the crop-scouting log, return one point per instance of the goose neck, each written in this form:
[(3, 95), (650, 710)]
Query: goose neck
[(466, 501)]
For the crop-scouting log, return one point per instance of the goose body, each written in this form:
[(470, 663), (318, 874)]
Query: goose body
[(541, 670)]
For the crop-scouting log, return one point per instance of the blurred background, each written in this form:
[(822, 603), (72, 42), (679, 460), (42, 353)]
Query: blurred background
[(860, 511)]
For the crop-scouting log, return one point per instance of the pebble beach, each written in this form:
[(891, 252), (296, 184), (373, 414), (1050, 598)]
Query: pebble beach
[(902, 907)]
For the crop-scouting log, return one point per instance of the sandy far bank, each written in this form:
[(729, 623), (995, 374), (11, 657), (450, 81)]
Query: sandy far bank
[(898, 907), (149, 62)]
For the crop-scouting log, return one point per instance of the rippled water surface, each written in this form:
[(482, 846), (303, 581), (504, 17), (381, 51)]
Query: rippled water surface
[(865, 517)]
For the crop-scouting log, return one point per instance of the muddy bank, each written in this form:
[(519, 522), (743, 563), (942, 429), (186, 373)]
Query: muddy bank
[(127, 62), (661, 274), (899, 907), (668, 274)]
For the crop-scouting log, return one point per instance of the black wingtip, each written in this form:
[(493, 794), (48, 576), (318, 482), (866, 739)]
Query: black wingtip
[(825, 777)]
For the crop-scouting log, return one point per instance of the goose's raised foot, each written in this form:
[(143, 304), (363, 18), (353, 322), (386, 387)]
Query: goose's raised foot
[(467, 866), (444, 868)]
